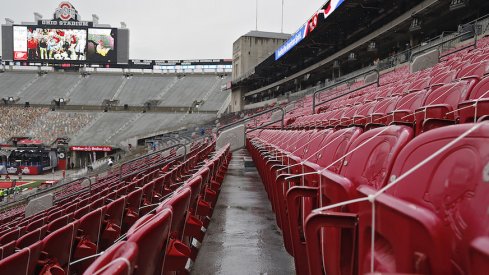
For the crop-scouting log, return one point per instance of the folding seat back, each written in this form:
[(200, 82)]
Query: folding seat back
[(362, 112), (334, 146), (406, 106), (383, 107), (147, 195), (87, 239), (442, 78), (12, 235), (480, 57), (179, 204), (97, 203), (112, 225), (477, 70), (313, 144), (59, 222), (33, 225), (7, 249), (132, 208), (120, 259), (56, 250), (369, 162), (477, 104), (80, 212), (195, 185), (440, 209), (300, 142), (419, 85), (151, 232), (31, 237), (440, 103), (22, 262)]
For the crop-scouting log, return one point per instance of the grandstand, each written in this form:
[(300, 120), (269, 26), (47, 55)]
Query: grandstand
[(360, 147)]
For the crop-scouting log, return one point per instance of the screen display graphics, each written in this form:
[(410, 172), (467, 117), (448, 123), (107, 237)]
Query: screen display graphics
[(45, 44), (101, 45), (57, 45)]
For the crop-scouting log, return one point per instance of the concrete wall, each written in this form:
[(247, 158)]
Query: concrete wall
[(250, 51)]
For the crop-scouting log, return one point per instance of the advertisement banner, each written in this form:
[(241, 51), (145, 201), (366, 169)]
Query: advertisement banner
[(91, 148), (320, 16)]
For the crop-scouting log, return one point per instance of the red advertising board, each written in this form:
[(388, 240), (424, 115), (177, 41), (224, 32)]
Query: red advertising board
[(91, 148)]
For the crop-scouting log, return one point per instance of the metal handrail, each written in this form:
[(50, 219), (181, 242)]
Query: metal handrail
[(314, 104), (444, 42), (44, 191), (150, 155), (241, 121)]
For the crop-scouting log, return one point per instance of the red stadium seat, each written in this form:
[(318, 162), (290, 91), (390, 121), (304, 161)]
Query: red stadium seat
[(151, 234), (32, 237), (112, 223), (56, 250), (370, 159), (87, 239), (477, 104), (440, 106), (120, 259), (22, 262), (178, 251), (132, 205), (439, 210)]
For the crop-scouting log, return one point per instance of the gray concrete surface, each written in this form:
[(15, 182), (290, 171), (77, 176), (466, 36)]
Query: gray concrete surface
[(243, 237)]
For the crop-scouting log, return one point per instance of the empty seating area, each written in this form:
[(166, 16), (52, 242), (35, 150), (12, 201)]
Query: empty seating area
[(388, 179), (142, 219), (136, 90)]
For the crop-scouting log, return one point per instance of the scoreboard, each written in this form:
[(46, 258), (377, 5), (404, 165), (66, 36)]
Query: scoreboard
[(65, 39)]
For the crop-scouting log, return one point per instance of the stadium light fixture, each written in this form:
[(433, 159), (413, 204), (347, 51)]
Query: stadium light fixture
[(415, 24), (458, 4)]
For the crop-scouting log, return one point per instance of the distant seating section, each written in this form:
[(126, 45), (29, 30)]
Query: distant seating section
[(144, 220), (165, 90), (40, 123), (387, 179)]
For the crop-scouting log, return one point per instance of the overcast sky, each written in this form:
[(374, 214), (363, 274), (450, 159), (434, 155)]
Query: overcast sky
[(181, 29)]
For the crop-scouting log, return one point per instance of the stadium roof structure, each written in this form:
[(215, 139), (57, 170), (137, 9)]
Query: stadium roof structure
[(273, 35), (352, 27)]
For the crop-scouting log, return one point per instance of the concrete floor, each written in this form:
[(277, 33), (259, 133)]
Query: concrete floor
[(243, 237)]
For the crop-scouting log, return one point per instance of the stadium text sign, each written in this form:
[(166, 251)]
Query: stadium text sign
[(65, 15), (308, 27), (91, 148)]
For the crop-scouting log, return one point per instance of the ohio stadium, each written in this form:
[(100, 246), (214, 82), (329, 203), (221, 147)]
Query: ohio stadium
[(357, 144)]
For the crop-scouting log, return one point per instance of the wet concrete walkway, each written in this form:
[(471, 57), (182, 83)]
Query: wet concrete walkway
[(243, 237)]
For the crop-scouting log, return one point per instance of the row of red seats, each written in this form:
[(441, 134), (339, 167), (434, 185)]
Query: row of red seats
[(65, 194), (430, 213), (115, 212), (426, 107), (161, 241)]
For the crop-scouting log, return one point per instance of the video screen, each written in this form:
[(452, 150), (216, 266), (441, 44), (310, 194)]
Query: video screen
[(101, 46), (42, 44)]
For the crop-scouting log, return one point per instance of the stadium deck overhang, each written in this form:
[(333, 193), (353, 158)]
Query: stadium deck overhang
[(352, 28)]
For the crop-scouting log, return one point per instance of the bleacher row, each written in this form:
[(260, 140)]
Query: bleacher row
[(389, 179), (453, 91), (146, 224), (428, 196)]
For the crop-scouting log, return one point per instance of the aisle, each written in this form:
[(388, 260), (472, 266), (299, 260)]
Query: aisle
[(243, 237)]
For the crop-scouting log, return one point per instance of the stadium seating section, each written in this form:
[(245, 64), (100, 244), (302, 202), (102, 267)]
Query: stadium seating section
[(389, 179), (145, 219)]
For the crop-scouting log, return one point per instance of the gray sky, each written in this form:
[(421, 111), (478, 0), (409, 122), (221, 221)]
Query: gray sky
[(181, 29)]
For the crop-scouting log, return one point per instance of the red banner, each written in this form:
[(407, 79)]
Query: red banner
[(91, 148)]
